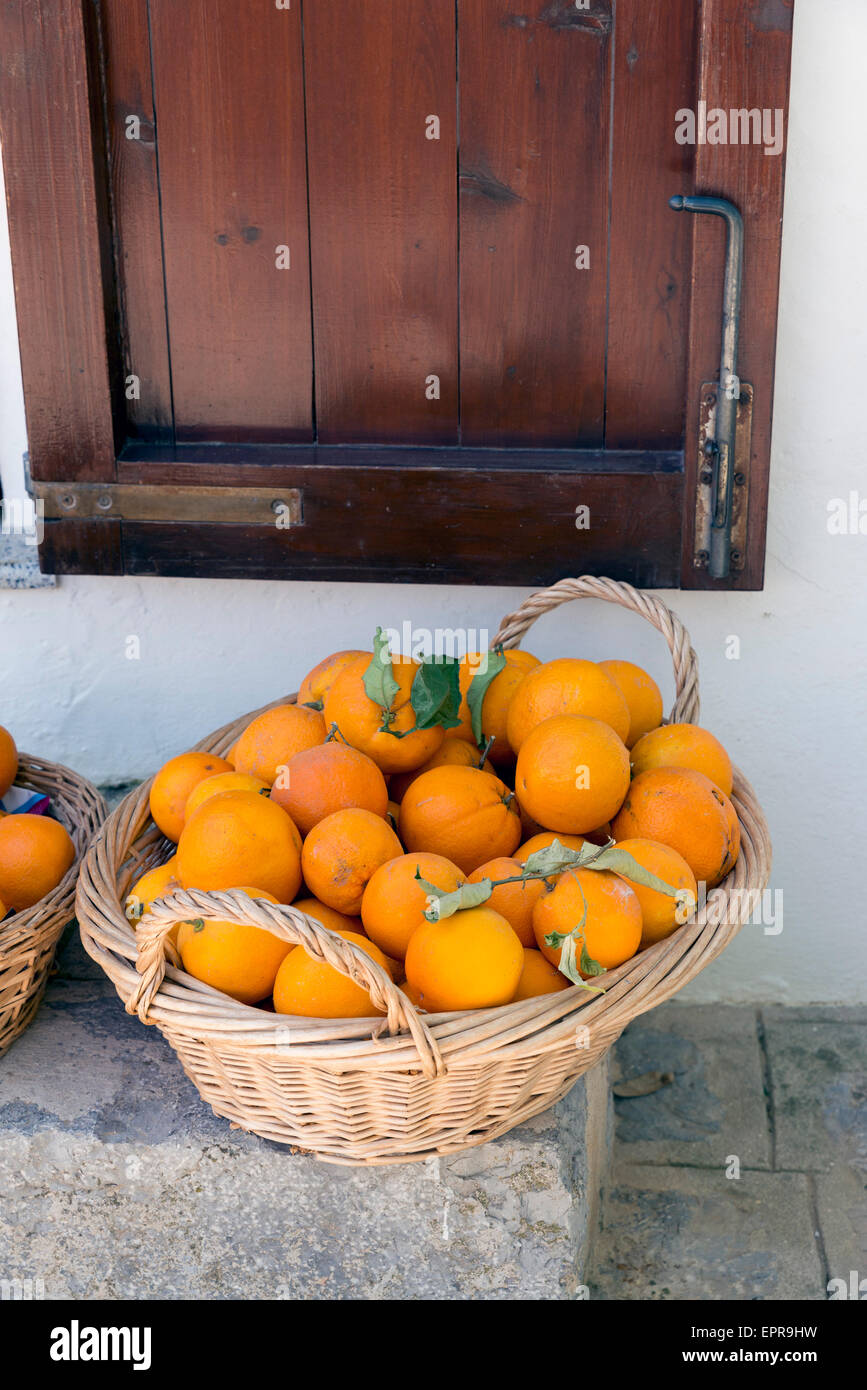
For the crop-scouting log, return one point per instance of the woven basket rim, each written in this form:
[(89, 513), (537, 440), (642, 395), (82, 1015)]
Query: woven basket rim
[(184, 1006)]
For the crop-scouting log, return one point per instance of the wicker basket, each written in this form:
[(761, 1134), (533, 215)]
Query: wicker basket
[(410, 1085), (28, 939)]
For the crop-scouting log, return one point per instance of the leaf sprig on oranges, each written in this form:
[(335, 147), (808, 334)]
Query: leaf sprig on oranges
[(435, 694), (550, 862)]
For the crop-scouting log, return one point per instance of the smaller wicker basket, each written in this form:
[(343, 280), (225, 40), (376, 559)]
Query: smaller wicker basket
[(408, 1086), (28, 939)]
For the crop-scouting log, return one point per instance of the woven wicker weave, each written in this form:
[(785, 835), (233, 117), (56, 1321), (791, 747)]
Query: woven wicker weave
[(411, 1085), (28, 939)]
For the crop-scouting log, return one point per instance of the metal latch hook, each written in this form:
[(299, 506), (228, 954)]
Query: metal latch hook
[(723, 443)]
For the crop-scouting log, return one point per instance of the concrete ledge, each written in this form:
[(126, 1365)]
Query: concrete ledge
[(19, 565), (120, 1183)]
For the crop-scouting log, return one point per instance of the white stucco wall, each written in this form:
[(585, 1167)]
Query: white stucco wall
[(791, 709)]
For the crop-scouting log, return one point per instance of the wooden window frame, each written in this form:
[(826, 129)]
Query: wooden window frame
[(457, 515)]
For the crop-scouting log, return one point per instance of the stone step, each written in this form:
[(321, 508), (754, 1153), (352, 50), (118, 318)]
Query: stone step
[(119, 1182)]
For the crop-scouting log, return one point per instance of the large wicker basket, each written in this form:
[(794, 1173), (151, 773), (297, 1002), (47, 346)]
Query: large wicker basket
[(410, 1085), (28, 939)]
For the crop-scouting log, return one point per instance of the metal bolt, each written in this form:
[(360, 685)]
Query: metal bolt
[(68, 500), (277, 506), (740, 479), (710, 400), (701, 559), (104, 502), (706, 477), (735, 556)]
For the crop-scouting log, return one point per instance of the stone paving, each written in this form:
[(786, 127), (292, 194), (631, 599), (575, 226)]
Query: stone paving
[(743, 1174)]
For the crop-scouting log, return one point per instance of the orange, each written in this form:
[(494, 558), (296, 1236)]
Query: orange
[(684, 745), (472, 960), (659, 912), (317, 683), (222, 782), (314, 989), (612, 927), (687, 811), (331, 777), (234, 957), (238, 838), (3, 909), (464, 814), (538, 976), (572, 773), (452, 752), (334, 921), (498, 698), (8, 760), (529, 826), (156, 883), (566, 686), (495, 703), (274, 737), (412, 995), (537, 842), (339, 922), (173, 784), (394, 901), (359, 720), (35, 853), (514, 901), (342, 853), (642, 695)]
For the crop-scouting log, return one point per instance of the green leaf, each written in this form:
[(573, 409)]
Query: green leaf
[(378, 680), (620, 861), (436, 694), (556, 859), (568, 965), (443, 904), (588, 965), (479, 688), (197, 924), (312, 704)]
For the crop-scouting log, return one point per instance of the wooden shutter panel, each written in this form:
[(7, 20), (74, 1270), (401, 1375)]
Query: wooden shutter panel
[(481, 356)]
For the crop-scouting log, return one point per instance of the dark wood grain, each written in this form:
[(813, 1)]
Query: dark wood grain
[(383, 218), (135, 206), (427, 515), (655, 73), (51, 133), (746, 49), (534, 117), (228, 89), (81, 547)]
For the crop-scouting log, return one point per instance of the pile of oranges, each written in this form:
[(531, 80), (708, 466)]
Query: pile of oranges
[(487, 830), (35, 851)]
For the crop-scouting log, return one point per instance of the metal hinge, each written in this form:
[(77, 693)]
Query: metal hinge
[(167, 502), (706, 492), (726, 418)]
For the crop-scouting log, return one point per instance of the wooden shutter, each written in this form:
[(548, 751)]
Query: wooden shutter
[(389, 289)]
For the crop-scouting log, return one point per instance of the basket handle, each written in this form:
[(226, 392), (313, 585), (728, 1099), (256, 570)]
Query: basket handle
[(290, 925), (686, 704)]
